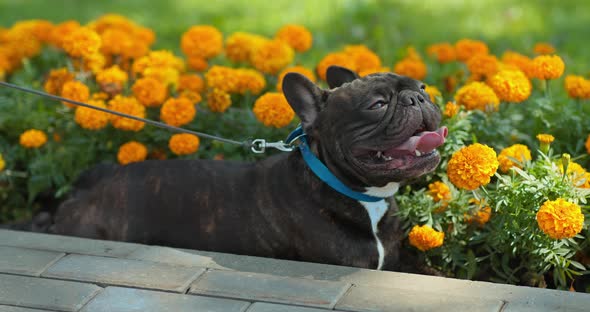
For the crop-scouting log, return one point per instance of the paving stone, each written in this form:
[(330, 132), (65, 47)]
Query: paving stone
[(113, 271), (169, 256), (129, 299), (264, 287), (40, 293), (4, 308), (26, 261), (271, 307), (369, 299), (65, 244)]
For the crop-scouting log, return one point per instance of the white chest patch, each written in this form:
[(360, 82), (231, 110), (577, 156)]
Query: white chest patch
[(377, 210)]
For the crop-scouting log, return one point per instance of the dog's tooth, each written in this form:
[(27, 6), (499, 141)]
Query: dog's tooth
[(379, 154), (388, 158), (418, 153)]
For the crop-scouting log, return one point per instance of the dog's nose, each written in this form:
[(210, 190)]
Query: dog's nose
[(411, 98)]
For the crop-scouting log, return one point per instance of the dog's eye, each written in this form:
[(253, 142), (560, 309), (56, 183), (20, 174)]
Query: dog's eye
[(378, 105)]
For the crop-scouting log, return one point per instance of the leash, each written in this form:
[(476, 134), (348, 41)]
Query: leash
[(257, 146)]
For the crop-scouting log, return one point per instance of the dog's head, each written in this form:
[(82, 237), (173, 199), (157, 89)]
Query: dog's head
[(373, 130)]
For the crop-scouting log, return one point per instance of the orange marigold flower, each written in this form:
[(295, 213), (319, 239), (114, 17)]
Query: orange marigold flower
[(74, 90), (577, 87), (56, 79), (39, 29), (483, 65), (249, 80), (467, 48), (443, 52), (218, 100), (440, 193), (94, 62), (410, 67), (178, 112), (271, 56), (273, 110), (477, 95), (184, 143), (222, 78), (472, 166), (364, 59), (132, 151), (560, 218), (116, 42), (112, 21), (192, 96), (523, 62), (547, 67), (239, 46), (294, 69), (149, 91), (451, 109), (2, 163), (296, 36), (112, 75), (33, 138), (339, 59), (481, 214), (545, 138), (432, 92), (130, 106), (197, 63), (99, 96), (62, 31), (514, 156), (202, 41), (587, 145), (166, 75), (191, 82), (91, 119), (511, 85), (374, 71), (543, 48), (81, 42), (425, 238)]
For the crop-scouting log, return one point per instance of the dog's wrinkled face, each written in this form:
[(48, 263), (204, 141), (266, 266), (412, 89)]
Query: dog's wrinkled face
[(378, 129)]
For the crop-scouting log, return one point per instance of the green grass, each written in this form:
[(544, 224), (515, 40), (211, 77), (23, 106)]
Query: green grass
[(386, 26)]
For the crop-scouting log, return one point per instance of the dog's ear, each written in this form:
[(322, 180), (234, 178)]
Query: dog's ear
[(304, 97), (337, 76)]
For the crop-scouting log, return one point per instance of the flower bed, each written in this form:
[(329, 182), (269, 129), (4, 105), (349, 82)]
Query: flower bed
[(516, 217)]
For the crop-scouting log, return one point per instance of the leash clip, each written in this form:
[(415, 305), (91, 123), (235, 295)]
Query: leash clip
[(259, 146)]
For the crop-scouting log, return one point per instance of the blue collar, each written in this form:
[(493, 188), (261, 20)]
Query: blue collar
[(322, 172)]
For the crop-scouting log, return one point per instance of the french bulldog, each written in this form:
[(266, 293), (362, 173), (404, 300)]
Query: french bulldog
[(372, 133)]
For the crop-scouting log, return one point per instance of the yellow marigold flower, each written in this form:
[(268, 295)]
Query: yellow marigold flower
[(218, 100), (81, 42), (99, 96), (56, 79), (577, 87), (477, 95), (560, 218), (339, 59), (511, 85), (410, 67), (577, 174), (74, 90), (296, 36), (127, 105), (432, 92), (467, 48), (443, 52), (239, 46), (425, 238), (222, 78), (149, 91), (545, 138), (158, 59), (178, 112), (273, 110), (33, 138), (197, 63), (112, 75), (543, 48), (440, 193), (191, 82), (202, 41), (94, 62), (249, 80), (2, 163), (480, 215), (523, 62), (184, 143), (374, 71), (483, 65), (514, 156), (451, 109), (364, 59), (62, 31), (91, 119), (294, 69), (192, 96), (547, 67), (130, 152), (39, 29), (472, 166), (272, 56), (166, 75)]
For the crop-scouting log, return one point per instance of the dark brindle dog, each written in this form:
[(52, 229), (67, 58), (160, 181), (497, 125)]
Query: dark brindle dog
[(372, 133)]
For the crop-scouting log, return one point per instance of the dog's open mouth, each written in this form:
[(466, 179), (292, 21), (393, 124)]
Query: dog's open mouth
[(419, 146)]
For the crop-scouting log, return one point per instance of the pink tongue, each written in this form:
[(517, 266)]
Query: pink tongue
[(424, 142)]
